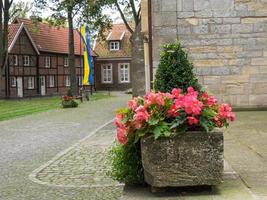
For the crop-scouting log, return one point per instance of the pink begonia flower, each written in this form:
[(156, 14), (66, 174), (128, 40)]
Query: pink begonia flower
[(176, 92), (122, 135), (168, 95), (192, 120), (179, 102), (211, 101), (159, 99), (150, 98), (192, 92), (173, 111), (225, 112), (192, 105), (154, 98), (132, 104), (141, 114), (205, 96), (118, 119)]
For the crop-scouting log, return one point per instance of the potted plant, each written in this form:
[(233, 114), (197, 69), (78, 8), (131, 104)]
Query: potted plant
[(68, 101), (172, 132), (179, 146)]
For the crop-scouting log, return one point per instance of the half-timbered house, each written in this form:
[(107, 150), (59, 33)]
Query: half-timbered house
[(38, 60)]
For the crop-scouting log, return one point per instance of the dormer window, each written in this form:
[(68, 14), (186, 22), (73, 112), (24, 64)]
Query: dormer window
[(114, 46)]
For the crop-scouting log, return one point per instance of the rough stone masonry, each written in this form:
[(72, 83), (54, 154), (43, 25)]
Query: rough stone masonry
[(226, 40)]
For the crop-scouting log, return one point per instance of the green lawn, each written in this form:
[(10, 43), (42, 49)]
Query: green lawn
[(17, 108)]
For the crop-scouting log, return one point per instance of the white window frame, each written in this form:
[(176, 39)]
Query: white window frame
[(66, 61), (31, 82), (15, 60), (51, 79), (67, 81), (124, 69), (26, 60), (47, 61), (105, 79), (13, 81), (114, 45)]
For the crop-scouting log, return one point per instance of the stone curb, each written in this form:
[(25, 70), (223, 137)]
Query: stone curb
[(33, 175)]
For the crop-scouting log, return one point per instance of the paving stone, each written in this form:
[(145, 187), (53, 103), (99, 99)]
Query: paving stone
[(29, 142)]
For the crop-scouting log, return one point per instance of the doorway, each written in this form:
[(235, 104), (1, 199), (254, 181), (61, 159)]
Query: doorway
[(42, 85), (19, 87)]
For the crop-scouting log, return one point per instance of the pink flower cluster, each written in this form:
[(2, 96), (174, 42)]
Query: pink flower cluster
[(188, 102), (166, 107)]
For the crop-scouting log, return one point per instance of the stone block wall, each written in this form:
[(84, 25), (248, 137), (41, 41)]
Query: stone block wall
[(226, 40)]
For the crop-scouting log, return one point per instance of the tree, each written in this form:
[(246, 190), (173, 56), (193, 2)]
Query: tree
[(175, 70), (20, 10), (131, 10), (5, 6), (79, 11), (91, 12)]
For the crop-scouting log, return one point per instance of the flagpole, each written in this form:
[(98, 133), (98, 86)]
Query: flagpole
[(81, 63)]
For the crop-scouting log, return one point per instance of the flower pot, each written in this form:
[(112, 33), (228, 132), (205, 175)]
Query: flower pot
[(191, 159)]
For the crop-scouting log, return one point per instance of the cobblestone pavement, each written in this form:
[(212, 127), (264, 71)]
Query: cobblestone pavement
[(79, 172), (29, 142), (84, 165)]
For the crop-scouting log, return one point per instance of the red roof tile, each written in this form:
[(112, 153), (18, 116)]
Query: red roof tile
[(102, 47), (51, 38), (12, 31)]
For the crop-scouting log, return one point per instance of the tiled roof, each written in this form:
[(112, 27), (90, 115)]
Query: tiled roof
[(102, 47), (51, 38), (12, 31)]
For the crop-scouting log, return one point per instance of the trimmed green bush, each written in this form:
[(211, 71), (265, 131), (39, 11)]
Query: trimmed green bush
[(175, 70), (126, 164)]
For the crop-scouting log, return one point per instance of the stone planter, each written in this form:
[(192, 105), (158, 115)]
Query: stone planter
[(190, 159)]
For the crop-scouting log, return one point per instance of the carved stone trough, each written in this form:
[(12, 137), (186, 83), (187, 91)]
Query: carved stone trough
[(191, 159)]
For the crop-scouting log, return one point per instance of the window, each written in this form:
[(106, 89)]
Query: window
[(15, 60), (107, 73), (47, 61), (31, 83), (66, 62), (67, 81), (26, 60), (13, 82), (114, 46), (51, 81), (124, 75)]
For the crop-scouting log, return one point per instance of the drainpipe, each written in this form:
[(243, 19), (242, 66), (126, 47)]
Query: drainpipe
[(147, 46), (147, 65), (150, 42)]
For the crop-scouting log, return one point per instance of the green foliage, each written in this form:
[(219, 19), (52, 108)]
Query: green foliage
[(162, 129), (69, 104), (20, 9), (175, 70), (126, 163)]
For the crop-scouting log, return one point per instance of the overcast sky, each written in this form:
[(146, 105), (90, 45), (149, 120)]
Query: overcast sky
[(113, 14)]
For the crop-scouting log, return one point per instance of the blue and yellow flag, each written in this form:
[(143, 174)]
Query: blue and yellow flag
[(88, 60)]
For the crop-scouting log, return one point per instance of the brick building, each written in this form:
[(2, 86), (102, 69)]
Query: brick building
[(225, 39), (38, 60), (112, 65)]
